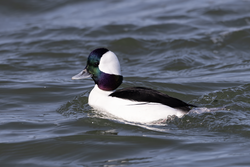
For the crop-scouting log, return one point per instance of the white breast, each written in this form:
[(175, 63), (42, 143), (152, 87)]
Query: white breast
[(130, 110)]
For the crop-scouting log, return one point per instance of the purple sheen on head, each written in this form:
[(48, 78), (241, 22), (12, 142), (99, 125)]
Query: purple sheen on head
[(96, 54), (109, 82)]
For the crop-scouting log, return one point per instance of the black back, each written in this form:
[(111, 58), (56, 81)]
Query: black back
[(143, 94)]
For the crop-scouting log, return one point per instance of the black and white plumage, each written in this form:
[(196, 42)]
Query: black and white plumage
[(148, 95), (136, 104)]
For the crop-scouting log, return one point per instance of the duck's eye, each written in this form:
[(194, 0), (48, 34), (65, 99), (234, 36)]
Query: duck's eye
[(96, 64)]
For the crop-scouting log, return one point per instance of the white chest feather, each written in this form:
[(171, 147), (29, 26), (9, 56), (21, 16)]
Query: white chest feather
[(130, 110)]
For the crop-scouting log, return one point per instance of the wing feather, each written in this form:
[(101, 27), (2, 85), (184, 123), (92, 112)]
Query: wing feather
[(143, 94)]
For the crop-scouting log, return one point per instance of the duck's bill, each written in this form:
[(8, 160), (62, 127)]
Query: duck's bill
[(83, 74)]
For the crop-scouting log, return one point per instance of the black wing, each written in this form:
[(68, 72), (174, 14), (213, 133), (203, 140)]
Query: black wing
[(143, 94)]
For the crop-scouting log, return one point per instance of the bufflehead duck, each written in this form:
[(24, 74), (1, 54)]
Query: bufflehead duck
[(135, 104)]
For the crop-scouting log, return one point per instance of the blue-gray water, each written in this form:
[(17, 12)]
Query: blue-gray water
[(197, 51)]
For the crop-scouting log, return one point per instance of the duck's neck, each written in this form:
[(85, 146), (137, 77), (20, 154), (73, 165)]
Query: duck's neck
[(108, 82)]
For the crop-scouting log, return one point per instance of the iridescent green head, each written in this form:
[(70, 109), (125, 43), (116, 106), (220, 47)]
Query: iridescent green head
[(104, 68)]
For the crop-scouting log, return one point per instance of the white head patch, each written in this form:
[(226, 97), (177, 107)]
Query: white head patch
[(109, 64)]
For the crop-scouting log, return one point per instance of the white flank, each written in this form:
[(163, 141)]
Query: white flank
[(130, 110)]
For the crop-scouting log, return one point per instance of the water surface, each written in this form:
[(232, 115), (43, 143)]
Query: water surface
[(197, 51)]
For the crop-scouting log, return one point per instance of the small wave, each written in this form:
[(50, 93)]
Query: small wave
[(223, 121), (29, 6), (232, 118), (75, 108)]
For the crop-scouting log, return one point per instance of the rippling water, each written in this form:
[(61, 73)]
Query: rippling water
[(197, 51)]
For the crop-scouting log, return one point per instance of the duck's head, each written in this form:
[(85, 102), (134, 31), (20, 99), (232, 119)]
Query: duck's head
[(104, 68)]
